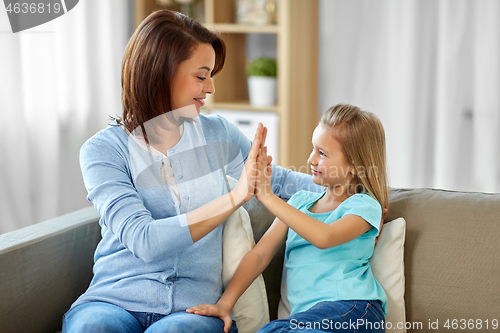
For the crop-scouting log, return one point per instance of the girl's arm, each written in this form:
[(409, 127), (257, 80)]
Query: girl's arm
[(317, 233), (249, 268)]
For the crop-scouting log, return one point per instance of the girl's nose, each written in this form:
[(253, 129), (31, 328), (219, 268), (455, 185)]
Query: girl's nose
[(311, 160)]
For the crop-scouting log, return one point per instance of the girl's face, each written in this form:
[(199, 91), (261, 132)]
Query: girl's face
[(329, 165), (192, 82)]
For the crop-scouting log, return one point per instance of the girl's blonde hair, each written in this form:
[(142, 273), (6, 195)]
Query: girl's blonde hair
[(362, 137)]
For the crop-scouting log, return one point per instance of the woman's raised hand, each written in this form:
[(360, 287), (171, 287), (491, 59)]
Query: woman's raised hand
[(246, 185)]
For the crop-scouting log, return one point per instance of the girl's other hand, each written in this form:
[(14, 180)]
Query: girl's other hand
[(212, 310)]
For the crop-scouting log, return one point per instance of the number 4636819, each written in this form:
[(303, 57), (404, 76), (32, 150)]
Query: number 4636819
[(33, 8), (477, 324)]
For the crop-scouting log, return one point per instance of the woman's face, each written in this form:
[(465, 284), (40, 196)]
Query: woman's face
[(192, 82)]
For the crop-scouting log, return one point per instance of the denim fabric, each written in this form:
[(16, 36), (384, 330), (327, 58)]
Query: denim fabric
[(340, 316), (146, 260), (99, 317)]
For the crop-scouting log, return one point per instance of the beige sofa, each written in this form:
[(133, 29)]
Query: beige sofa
[(452, 263)]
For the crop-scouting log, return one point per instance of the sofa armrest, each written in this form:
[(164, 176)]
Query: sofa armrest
[(44, 268)]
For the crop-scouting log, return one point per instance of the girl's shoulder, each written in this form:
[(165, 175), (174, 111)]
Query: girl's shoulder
[(361, 197), (303, 197), (365, 206)]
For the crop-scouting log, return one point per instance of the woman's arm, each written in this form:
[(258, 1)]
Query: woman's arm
[(249, 268), (108, 180)]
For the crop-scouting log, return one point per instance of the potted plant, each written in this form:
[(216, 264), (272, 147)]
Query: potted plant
[(262, 82)]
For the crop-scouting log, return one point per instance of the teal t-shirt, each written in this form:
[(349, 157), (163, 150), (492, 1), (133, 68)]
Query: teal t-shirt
[(339, 273)]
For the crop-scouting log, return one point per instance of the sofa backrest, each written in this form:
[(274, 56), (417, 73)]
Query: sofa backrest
[(452, 261), (44, 268)]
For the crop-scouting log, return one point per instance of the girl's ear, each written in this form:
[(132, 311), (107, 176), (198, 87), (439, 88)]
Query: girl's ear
[(353, 169)]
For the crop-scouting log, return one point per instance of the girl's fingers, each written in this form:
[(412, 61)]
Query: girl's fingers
[(197, 308), (264, 136), (227, 325)]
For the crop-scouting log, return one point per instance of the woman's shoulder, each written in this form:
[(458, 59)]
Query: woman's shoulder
[(220, 129), (212, 120), (215, 122), (110, 138)]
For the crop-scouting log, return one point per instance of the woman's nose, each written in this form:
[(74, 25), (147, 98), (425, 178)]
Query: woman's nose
[(209, 86)]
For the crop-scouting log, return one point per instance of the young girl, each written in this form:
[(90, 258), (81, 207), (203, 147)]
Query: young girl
[(331, 235)]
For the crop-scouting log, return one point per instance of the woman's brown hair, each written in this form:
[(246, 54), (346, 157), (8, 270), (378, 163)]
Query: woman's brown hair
[(156, 49), (362, 137)]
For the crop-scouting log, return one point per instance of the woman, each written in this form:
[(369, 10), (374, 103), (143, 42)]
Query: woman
[(157, 177)]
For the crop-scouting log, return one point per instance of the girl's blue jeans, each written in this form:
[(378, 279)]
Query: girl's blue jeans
[(97, 317), (340, 316)]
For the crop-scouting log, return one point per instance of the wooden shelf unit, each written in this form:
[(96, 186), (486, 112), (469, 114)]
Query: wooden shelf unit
[(297, 55)]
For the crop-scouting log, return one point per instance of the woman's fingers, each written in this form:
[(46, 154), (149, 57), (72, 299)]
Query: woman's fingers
[(257, 141), (264, 136)]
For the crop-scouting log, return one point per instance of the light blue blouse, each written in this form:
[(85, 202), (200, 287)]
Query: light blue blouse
[(146, 260), (337, 273)]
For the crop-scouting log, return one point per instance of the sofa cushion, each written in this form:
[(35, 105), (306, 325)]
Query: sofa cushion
[(387, 265), (251, 310), (452, 266)]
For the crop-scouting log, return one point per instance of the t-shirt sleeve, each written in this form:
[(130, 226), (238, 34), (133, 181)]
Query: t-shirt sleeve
[(365, 207)]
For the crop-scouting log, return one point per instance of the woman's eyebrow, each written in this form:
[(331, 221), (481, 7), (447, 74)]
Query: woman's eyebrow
[(205, 68)]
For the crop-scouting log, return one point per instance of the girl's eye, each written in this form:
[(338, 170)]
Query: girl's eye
[(321, 153), (202, 78)]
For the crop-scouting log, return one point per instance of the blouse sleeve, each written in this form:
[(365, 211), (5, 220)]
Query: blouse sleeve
[(107, 179)]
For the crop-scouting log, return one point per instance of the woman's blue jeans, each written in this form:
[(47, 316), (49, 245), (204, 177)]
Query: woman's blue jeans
[(340, 316), (97, 317)]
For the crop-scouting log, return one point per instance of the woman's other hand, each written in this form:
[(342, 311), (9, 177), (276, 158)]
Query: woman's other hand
[(212, 310)]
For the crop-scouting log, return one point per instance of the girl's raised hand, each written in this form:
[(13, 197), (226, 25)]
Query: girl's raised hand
[(264, 172), (212, 310)]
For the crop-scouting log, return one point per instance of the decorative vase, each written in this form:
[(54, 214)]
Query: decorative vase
[(262, 90)]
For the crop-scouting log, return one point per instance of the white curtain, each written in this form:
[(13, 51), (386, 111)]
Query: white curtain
[(59, 83), (430, 69)]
